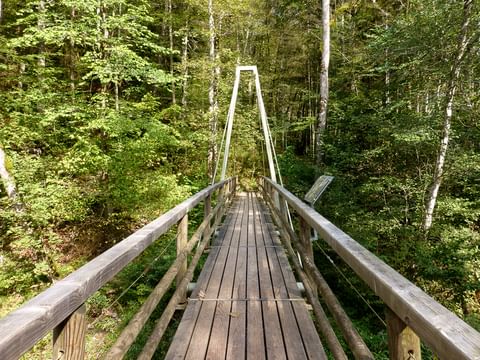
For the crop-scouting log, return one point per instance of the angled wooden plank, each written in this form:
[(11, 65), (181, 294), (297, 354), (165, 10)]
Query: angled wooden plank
[(237, 329), (274, 344), (219, 335), (311, 341), (183, 335), (201, 333), (219, 338), (291, 333), (255, 333), (179, 346)]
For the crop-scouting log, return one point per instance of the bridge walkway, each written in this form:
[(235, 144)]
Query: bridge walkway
[(246, 304)]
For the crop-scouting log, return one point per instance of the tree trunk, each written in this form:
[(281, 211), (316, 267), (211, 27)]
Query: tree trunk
[(185, 67), (212, 93), (462, 46), (170, 37), (9, 182), (72, 54), (322, 115), (41, 27), (103, 35), (117, 98)]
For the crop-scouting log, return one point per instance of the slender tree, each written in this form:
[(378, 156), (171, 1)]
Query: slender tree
[(212, 90), (185, 44), (170, 40), (8, 182), (322, 114), (462, 47)]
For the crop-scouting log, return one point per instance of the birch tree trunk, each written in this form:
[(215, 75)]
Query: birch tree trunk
[(462, 46), (72, 57), (8, 182), (103, 29), (41, 27), (185, 66), (322, 115), (170, 37), (212, 92)]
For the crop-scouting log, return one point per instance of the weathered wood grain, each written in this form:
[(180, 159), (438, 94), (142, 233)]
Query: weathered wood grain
[(255, 332), (178, 296), (217, 344), (236, 331), (182, 241), (403, 343), (181, 342), (69, 336), (21, 329), (251, 313), (446, 334), (201, 334), (274, 343), (136, 324)]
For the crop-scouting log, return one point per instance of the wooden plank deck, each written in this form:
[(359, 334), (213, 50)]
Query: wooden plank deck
[(246, 304)]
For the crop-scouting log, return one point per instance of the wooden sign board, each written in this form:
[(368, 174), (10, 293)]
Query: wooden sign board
[(317, 189)]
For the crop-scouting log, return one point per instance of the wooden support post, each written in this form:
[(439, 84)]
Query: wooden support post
[(207, 209), (305, 239), (284, 214), (403, 343), (221, 194), (69, 337), (182, 241)]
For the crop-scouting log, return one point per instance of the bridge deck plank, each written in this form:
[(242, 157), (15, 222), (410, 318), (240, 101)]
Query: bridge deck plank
[(246, 304)]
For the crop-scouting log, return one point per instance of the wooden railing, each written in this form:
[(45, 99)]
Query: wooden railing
[(61, 307), (411, 314)]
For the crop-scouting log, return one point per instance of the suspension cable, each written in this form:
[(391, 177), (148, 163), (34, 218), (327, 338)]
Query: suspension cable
[(270, 139), (144, 272), (350, 283), (220, 151)]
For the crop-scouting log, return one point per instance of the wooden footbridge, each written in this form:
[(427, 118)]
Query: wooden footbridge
[(259, 294), (247, 302)]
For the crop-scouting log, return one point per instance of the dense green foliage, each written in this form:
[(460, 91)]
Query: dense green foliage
[(99, 142)]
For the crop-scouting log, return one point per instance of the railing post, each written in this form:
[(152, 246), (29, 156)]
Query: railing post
[(182, 240), (69, 337), (403, 343), (284, 215), (306, 243), (207, 209)]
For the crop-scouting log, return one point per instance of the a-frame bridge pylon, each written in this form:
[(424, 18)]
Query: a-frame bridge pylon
[(263, 117)]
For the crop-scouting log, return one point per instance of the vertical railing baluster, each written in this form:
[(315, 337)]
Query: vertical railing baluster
[(306, 243), (403, 343), (284, 217), (69, 337), (182, 240), (207, 209)]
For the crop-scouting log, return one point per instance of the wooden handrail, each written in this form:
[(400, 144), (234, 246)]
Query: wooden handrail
[(288, 237), (136, 324), (446, 334), (22, 328)]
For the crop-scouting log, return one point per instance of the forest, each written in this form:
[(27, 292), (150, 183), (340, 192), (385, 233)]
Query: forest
[(112, 112)]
